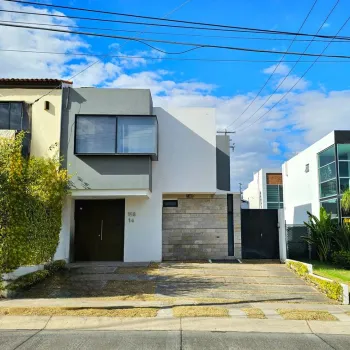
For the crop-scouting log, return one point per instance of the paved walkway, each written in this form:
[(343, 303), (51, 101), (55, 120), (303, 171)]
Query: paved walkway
[(243, 283)]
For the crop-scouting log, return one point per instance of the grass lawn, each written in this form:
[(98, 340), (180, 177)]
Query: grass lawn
[(330, 271)]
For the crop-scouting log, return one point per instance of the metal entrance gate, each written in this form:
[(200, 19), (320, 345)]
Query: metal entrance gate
[(260, 238)]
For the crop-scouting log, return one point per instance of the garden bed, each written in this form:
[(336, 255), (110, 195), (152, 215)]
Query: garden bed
[(333, 289)]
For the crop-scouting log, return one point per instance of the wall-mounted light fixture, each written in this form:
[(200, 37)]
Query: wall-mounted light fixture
[(47, 105)]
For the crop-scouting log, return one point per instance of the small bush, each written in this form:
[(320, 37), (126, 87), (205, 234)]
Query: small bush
[(332, 289), (55, 266), (342, 259), (29, 280), (298, 267)]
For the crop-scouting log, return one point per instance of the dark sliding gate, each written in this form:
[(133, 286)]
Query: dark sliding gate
[(260, 238)]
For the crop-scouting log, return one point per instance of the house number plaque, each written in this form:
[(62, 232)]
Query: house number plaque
[(131, 216)]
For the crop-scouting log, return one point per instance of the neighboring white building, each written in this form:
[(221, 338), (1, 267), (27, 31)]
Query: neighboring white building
[(317, 177), (266, 190)]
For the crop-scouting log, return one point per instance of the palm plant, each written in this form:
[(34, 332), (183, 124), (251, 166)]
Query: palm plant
[(321, 233), (342, 237), (345, 202)]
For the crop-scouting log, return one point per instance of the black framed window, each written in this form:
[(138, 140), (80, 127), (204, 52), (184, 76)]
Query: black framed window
[(170, 203), (12, 116), (274, 194), (99, 134)]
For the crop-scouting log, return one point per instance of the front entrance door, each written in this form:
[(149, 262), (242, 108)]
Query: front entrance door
[(99, 230), (260, 238)]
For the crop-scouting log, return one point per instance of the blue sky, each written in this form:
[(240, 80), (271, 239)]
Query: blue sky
[(317, 105)]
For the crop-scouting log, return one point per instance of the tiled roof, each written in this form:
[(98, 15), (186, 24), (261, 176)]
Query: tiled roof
[(32, 82)]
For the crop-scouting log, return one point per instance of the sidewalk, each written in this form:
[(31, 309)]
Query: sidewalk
[(171, 324)]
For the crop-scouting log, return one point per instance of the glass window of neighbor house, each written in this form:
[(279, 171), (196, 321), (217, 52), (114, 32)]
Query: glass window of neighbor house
[(331, 206), (327, 172), (274, 196), (344, 166), (11, 116)]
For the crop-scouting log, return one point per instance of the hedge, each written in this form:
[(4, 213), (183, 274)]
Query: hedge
[(332, 289), (32, 192), (26, 281)]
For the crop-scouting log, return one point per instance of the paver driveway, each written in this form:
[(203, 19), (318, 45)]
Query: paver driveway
[(193, 281)]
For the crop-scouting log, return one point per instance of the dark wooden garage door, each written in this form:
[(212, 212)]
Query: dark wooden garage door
[(99, 230), (260, 238)]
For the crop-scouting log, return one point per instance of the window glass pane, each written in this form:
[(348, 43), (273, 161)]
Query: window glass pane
[(137, 135), (281, 205), (344, 169), (331, 206), (95, 134), (344, 152), (327, 172), (273, 205), (326, 156), (328, 188), (344, 184), (16, 116), (281, 193), (272, 193), (4, 116)]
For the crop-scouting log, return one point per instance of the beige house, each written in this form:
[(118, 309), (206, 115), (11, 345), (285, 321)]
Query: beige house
[(34, 105)]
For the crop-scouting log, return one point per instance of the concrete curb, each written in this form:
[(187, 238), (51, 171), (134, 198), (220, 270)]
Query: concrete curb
[(171, 324)]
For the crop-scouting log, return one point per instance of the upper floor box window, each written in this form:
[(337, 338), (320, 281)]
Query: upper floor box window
[(121, 135), (13, 116)]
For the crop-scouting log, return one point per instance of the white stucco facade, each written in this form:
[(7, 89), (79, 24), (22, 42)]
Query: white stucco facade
[(256, 194), (301, 182)]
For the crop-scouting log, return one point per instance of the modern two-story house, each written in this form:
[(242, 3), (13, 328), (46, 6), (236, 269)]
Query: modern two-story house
[(145, 180)]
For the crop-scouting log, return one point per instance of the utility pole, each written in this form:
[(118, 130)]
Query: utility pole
[(240, 188), (228, 132)]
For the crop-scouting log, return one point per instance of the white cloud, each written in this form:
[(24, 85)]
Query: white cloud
[(280, 69), (290, 81), (326, 25)]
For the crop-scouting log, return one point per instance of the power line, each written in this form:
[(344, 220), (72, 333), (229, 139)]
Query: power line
[(173, 34), (312, 64), (169, 58), (129, 22), (196, 45), (235, 29), (276, 66), (161, 19), (92, 64), (295, 64)]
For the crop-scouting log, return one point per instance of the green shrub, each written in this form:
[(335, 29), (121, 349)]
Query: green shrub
[(321, 233), (341, 237), (55, 266), (32, 192), (29, 280), (341, 258), (298, 267), (332, 289), (345, 202)]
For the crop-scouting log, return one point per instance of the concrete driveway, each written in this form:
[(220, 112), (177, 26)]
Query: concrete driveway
[(243, 283)]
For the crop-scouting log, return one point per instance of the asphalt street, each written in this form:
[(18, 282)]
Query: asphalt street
[(168, 340)]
